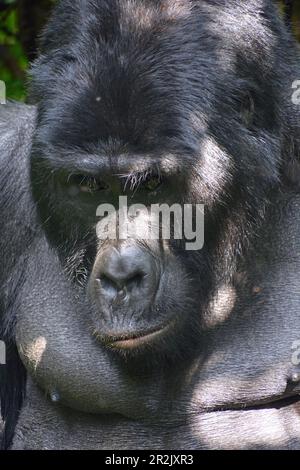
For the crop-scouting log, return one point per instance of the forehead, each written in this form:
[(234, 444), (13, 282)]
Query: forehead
[(106, 20), (141, 73)]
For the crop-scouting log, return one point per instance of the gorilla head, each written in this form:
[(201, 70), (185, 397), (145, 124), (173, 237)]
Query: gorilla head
[(139, 115), (165, 102)]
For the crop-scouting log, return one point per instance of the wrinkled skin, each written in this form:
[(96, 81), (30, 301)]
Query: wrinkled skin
[(192, 98)]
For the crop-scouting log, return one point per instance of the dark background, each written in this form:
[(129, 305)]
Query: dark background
[(21, 22)]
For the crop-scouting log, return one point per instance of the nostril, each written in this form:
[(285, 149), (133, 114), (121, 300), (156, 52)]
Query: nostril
[(113, 288), (125, 274), (135, 281), (108, 285)]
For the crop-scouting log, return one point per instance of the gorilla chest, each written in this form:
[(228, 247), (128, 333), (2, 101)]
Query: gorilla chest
[(46, 426)]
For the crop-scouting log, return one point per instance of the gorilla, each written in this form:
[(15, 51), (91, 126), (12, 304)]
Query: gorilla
[(136, 342)]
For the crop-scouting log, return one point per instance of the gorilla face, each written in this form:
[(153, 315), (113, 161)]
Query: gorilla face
[(135, 290), (164, 105)]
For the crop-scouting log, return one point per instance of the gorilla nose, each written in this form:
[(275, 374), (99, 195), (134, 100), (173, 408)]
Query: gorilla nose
[(126, 273)]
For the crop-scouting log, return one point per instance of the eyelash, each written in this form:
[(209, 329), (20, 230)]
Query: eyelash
[(91, 184), (148, 181), (87, 184)]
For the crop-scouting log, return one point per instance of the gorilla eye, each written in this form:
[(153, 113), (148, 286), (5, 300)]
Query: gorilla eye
[(87, 184), (152, 183)]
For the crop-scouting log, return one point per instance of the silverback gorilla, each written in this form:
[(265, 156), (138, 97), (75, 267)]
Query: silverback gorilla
[(141, 343)]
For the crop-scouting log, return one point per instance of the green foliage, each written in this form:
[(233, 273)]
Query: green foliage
[(13, 60)]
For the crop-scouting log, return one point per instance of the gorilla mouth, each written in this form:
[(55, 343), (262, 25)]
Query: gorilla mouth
[(134, 340)]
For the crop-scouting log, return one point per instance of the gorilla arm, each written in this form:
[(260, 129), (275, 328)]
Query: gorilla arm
[(17, 122)]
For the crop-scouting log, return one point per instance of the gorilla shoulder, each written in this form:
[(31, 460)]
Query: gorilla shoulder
[(16, 129), (17, 123)]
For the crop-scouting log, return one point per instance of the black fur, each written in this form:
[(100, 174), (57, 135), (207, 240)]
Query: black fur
[(206, 82)]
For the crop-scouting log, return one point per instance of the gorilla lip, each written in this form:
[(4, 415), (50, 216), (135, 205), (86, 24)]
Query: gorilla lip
[(135, 340)]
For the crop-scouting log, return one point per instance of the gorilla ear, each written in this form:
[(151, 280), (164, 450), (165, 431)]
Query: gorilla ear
[(291, 158), (290, 143), (292, 173), (247, 110)]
